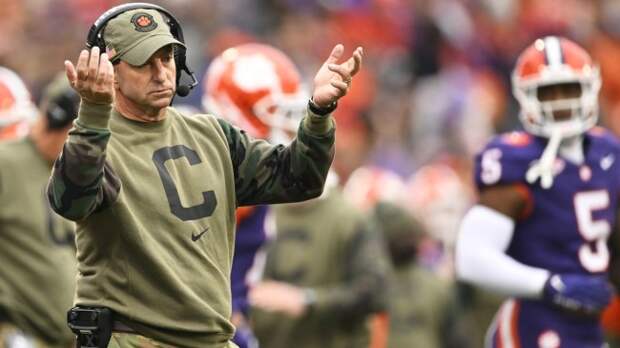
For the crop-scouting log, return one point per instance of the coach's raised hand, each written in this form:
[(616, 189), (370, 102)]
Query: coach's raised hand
[(93, 77), (334, 80)]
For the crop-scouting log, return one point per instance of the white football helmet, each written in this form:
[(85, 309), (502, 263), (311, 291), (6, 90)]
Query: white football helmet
[(550, 61), (16, 107)]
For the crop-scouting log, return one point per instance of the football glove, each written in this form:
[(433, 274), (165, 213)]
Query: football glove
[(581, 293)]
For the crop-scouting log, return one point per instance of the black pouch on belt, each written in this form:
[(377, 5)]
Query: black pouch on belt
[(92, 325)]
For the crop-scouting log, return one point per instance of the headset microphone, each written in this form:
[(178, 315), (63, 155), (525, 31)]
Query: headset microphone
[(183, 90)]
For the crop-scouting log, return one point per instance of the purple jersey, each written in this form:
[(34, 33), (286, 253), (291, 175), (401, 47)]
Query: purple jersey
[(250, 237), (564, 230)]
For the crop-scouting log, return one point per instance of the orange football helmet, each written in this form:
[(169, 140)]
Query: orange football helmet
[(369, 185), (549, 61), (16, 106), (438, 197), (257, 88)]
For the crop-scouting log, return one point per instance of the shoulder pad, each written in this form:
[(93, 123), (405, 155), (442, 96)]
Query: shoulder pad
[(516, 139), (598, 131), (506, 158), (604, 137)]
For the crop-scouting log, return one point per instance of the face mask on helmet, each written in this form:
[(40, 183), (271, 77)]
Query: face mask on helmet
[(556, 85), (257, 88), (16, 106)]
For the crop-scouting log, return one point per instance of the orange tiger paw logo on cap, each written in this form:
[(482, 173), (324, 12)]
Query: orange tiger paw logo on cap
[(143, 22)]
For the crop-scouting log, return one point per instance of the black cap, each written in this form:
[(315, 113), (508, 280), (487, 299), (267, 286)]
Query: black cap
[(59, 102)]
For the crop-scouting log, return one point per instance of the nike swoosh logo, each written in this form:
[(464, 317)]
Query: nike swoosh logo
[(195, 237), (607, 161)]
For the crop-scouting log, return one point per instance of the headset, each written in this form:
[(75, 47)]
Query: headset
[(95, 38)]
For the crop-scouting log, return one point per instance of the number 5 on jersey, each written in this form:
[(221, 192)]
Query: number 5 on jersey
[(491, 168), (593, 255)]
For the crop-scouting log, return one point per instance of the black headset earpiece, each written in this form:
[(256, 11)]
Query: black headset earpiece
[(95, 38)]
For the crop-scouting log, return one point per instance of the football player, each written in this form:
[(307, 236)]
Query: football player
[(548, 199)]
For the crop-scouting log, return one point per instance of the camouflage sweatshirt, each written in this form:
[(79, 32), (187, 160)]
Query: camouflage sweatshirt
[(154, 205)]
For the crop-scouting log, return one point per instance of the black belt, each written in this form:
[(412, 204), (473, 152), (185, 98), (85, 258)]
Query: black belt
[(118, 326), (4, 317)]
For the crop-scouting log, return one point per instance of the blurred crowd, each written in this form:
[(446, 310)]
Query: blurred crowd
[(436, 80), (434, 87)]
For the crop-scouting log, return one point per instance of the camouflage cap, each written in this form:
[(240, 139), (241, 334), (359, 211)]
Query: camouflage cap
[(134, 36)]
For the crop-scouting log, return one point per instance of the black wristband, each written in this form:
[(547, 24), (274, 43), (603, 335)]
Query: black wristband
[(321, 111)]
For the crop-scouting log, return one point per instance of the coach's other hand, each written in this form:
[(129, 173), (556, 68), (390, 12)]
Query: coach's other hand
[(93, 77), (334, 80)]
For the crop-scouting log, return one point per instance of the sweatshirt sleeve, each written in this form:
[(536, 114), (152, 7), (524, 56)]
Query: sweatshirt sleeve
[(82, 182), (267, 174)]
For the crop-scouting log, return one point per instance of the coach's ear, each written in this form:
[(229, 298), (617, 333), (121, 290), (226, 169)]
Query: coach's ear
[(116, 85), (111, 53)]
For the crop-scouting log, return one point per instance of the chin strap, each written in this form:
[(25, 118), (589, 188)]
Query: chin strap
[(543, 168)]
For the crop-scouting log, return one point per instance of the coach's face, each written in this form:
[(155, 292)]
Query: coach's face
[(150, 86), (141, 47)]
